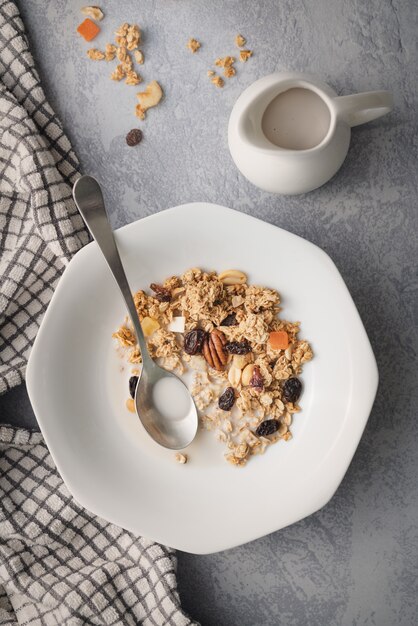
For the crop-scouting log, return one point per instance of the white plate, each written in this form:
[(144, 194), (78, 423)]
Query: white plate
[(107, 460)]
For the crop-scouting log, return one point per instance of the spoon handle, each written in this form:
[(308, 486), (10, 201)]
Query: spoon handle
[(89, 200)]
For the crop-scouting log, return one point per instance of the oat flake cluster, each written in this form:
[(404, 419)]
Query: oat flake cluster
[(245, 358)]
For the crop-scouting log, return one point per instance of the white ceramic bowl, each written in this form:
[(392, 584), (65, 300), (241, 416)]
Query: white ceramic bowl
[(111, 466)]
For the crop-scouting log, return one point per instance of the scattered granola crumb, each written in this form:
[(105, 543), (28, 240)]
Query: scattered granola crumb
[(240, 41), (225, 61), (139, 57), (94, 12), (128, 35), (181, 458), (132, 78), (218, 81), (193, 45), (95, 55), (210, 73), (118, 73), (134, 137), (244, 55), (229, 72), (110, 52)]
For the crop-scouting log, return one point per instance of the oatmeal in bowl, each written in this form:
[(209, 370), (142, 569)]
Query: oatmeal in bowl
[(246, 360)]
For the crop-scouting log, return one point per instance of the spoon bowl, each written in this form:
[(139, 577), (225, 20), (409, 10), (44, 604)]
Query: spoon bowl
[(162, 401), (165, 408)]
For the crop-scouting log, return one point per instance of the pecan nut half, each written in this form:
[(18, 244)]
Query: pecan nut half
[(213, 350)]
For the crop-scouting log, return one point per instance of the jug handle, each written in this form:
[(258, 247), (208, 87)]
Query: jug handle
[(360, 108)]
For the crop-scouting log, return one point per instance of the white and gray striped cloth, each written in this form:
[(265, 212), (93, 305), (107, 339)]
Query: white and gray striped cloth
[(59, 564)]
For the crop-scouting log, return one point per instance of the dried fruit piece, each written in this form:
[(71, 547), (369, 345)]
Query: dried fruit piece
[(240, 41), (247, 374), (88, 29), (218, 81), (279, 340), (193, 341), (130, 405), (229, 320), (292, 389), (244, 55), (193, 45), (161, 293), (177, 324), (214, 350), (181, 458), (268, 427), (133, 381), (149, 326), (139, 57), (256, 380), (232, 277), (134, 137), (227, 399), (94, 12), (148, 98), (238, 347)]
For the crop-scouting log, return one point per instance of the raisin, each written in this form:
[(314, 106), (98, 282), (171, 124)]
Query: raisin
[(161, 293), (292, 389), (227, 399), (256, 379), (193, 341), (134, 137), (230, 320), (238, 347), (133, 381), (268, 427)]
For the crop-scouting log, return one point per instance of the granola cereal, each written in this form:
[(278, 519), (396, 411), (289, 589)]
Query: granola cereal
[(110, 52), (240, 41), (244, 55), (229, 71), (225, 61), (245, 359), (218, 81), (95, 55), (193, 45)]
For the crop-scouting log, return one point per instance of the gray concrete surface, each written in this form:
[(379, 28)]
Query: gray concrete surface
[(356, 561)]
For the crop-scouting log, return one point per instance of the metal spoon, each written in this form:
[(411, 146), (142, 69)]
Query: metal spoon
[(168, 415)]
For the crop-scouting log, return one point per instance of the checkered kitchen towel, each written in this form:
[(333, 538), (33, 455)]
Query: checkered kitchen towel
[(40, 228), (59, 564)]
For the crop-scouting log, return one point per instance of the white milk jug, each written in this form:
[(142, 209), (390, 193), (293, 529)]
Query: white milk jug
[(289, 133)]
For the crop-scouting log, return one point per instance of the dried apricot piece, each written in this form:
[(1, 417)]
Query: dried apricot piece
[(279, 340), (88, 29), (149, 326)]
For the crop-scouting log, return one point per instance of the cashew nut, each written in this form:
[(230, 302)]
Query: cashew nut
[(148, 98)]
